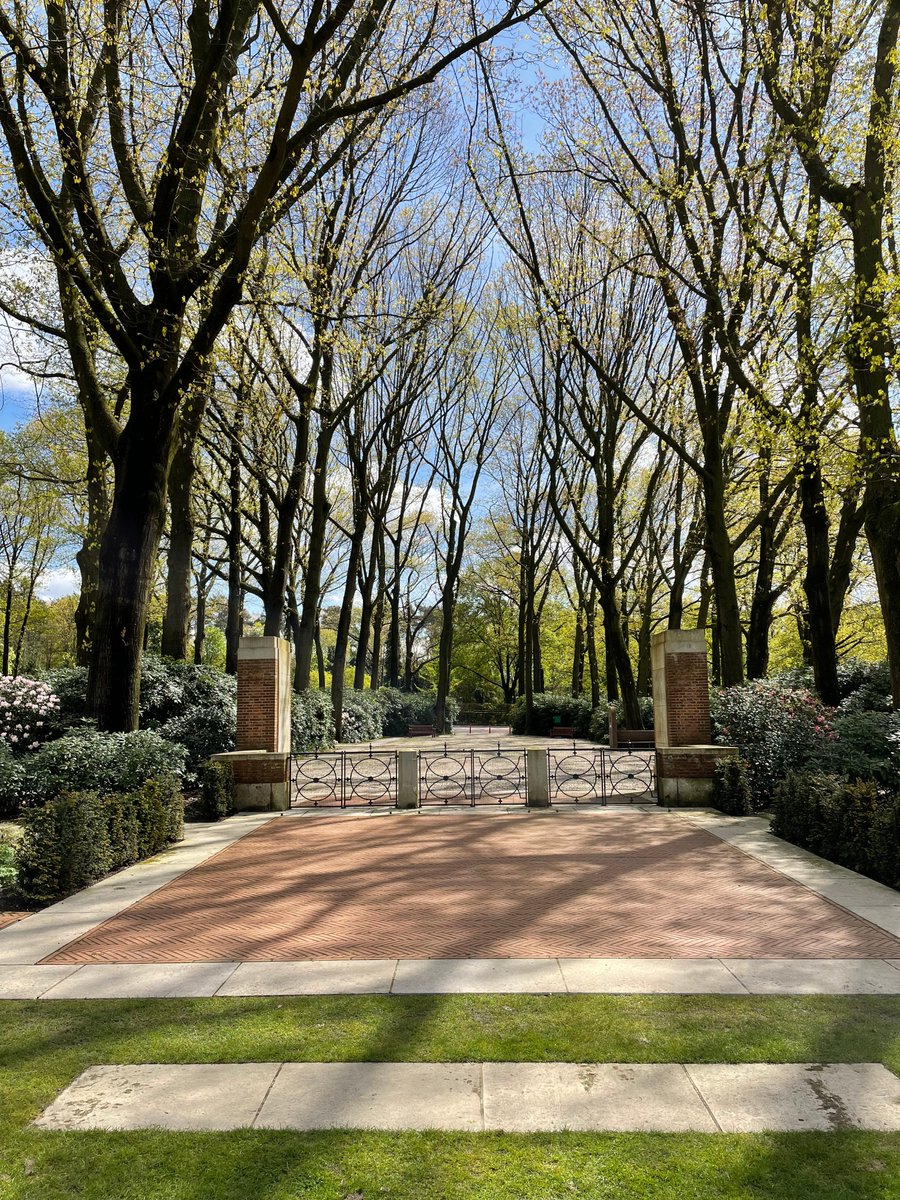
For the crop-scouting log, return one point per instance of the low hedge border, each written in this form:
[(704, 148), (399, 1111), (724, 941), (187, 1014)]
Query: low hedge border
[(853, 823), (78, 837), (216, 792)]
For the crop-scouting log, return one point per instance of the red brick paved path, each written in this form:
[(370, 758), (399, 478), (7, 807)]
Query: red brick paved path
[(10, 918), (471, 886)]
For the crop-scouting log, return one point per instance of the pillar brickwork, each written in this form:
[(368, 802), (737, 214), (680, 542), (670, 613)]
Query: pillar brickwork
[(685, 758), (264, 694), (680, 688)]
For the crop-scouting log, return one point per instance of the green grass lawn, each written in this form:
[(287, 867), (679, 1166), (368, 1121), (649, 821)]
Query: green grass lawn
[(43, 1046)]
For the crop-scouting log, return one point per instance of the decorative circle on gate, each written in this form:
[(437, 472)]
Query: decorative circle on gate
[(317, 781), (576, 777), (499, 777), (630, 774), (370, 779), (445, 778)]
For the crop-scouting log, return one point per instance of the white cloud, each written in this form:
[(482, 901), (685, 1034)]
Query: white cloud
[(64, 581)]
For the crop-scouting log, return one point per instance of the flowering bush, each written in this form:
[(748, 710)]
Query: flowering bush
[(777, 730), (29, 711), (107, 762), (362, 717)]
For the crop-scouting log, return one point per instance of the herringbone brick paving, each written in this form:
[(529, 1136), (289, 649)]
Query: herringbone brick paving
[(10, 918), (467, 886)]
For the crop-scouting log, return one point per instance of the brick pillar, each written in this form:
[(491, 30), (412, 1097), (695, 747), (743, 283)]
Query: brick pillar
[(685, 758), (264, 694), (680, 688)]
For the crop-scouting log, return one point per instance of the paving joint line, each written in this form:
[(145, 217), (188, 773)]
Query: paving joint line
[(268, 1092), (701, 1097)]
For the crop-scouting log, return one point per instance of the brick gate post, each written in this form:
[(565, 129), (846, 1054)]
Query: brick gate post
[(685, 757), (262, 758)]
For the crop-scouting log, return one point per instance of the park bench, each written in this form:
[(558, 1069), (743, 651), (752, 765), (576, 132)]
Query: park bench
[(563, 731), (422, 731), (619, 737)]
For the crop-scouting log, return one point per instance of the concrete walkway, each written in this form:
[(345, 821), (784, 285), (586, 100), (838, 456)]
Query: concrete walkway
[(475, 1097)]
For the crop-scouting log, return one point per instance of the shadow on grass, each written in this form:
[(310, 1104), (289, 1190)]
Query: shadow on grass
[(44, 1045)]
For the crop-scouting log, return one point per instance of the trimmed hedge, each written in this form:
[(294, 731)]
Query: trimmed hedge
[(78, 837), (855, 824), (731, 788), (362, 717), (574, 711), (216, 791)]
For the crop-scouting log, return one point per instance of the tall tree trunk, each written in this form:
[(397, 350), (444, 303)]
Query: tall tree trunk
[(763, 596), (445, 655), (394, 627), (365, 616), (378, 625), (128, 555), (88, 556), (617, 650), (200, 629), (578, 656), (234, 615), (590, 636), (176, 628), (342, 638), (312, 581), (7, 624), (721, 560), (320, 656)]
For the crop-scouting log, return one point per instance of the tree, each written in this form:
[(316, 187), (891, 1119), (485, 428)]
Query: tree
[(152, 154)]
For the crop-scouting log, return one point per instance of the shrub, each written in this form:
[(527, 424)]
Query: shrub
[(216, 791), (852, 823), (12, 776), (78, 837), (190, 704), (107, 762), (731, 788), (70, 685), (402, 709), (29, 712), (776, 729), (864, 686), (866, 746), (574, 711), (312, 724), (7, 861), (362, 717)]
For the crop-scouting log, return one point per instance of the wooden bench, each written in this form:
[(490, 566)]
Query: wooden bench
[(422, 731), (564, 731), (628, 737)]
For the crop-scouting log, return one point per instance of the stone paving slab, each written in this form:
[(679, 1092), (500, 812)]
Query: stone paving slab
[(128, 981), (310, 978), (28, 983), (755, 1097), (447, 976), (825, 977), (375, 1096), (615, 1097), (516, 1097), (194, 1096), (650, 975)]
